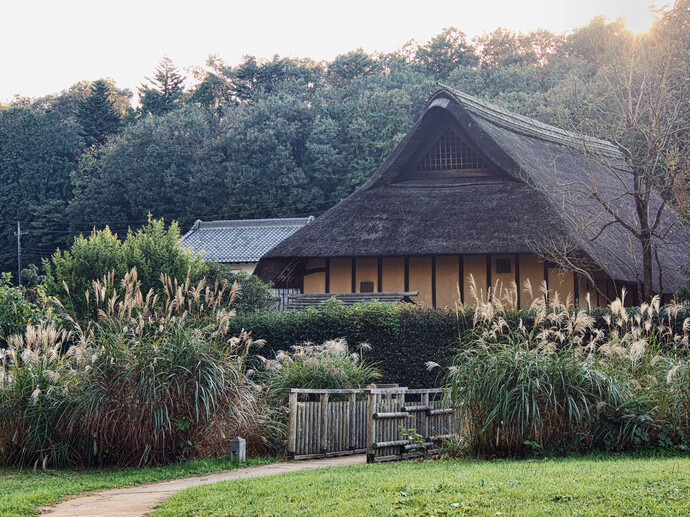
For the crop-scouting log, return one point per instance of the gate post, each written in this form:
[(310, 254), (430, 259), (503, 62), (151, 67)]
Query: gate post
[(323, 434), (371, 426), (352, 408), (292, 426)]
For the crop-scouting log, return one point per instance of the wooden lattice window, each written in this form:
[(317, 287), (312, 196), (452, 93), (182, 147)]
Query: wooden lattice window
[(503, 265), (366, 287), (450, 153)]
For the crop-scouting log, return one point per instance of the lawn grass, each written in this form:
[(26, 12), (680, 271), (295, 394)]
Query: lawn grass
[(601, 486), (22, 491)]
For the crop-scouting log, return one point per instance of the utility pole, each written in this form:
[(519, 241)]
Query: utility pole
[(19, 234)]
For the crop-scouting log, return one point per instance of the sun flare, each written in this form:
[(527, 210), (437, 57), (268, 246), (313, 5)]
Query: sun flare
[(639, 20)]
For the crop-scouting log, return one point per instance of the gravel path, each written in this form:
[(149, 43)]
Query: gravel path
[(142, 499)]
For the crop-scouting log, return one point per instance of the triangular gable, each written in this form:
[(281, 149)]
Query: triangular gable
[(445, 156), (450, 153)]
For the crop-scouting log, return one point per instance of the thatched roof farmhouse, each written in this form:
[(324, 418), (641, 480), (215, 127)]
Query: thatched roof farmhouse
[(475, 189)]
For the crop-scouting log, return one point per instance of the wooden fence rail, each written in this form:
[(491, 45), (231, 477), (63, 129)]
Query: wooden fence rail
[(387, 423)]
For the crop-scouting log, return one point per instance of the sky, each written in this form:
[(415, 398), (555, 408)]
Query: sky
[(48, 45)]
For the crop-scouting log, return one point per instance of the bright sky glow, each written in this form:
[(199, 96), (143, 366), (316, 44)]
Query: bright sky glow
[(48, 45)]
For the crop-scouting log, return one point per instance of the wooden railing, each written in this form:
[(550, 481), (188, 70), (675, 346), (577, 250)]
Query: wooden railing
[(387, 423)]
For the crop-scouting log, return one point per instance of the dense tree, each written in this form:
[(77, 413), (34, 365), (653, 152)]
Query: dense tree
[(38, 150), (97, 115), (164, 91), (346, 67), (445, 52), (167, 166)]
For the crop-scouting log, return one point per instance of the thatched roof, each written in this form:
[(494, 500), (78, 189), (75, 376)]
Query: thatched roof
[(243, 240), (541, 195)]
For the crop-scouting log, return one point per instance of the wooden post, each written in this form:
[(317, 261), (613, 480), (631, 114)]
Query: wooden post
[(352, 410), (323, 434), (292, 426), (424, 431), (371, 426)]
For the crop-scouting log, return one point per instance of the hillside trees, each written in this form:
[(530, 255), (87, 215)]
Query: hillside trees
[(167, 165), (38, 150)]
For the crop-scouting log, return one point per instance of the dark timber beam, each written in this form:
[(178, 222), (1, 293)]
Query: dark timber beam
[(461, 277), (517, 278), (379, 278), (407, 274), (328, 276), (488, 274), (433, 281), (354, 275)]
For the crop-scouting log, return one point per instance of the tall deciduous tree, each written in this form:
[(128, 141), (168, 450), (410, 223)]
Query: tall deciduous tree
[(639, 99)]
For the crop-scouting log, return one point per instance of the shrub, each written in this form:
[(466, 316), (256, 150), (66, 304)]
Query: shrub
[(153, 250), (148, 382), (253, 295), (562, 383), (17, 310), (403, 337), (34, 397), (326, 366)]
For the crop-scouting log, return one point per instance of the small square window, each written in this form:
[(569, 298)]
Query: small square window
[(366, 287), (503, 265)]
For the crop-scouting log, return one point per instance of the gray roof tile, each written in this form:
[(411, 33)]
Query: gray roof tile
[(239, 240)]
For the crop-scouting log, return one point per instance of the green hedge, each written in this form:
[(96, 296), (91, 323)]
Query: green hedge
[(403, 336)]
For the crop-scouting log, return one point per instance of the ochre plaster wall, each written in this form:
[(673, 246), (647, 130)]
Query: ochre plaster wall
[(501, 282), (341, 275), (366, 271), (532, 269), (420, 278), (447, 276), (562, 283), (393, 273), (475, 266), (315, 282)]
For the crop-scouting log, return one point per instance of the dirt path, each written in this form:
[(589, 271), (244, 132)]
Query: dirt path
[(142, 499)]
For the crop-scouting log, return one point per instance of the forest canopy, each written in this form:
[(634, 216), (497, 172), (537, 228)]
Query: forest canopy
[(282, 136)]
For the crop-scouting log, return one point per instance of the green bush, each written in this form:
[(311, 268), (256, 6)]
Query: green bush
[(17, 310), (565, 384), (326, 366), (153, 250), (405, 337), (253, 295), (137, 386)]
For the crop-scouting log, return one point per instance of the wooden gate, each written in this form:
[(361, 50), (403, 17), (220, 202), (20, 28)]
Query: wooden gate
[(387, 423), (403, 423), (326, 423)]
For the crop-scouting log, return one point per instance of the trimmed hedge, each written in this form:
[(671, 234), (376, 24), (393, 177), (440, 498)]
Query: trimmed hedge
[(403, 336)]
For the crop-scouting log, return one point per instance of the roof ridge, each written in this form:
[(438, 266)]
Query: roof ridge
[(529, 126), (250, 223)]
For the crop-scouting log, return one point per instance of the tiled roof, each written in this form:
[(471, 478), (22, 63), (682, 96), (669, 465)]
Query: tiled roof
[(302, 301), (239, 240)]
